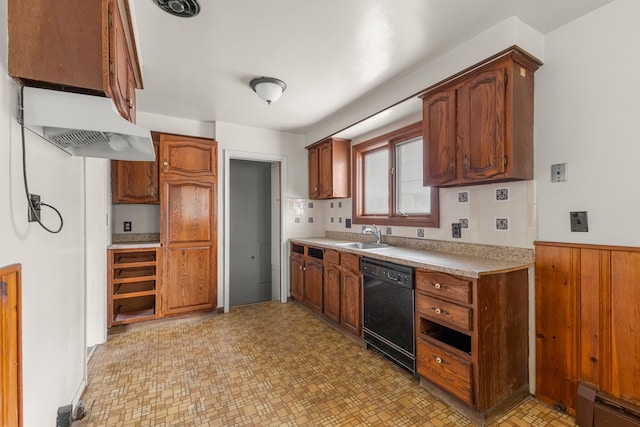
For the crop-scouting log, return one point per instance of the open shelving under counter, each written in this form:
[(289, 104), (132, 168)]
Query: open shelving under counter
[(134, 283)]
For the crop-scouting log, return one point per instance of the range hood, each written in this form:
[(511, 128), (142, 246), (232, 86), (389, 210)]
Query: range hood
[(84, 125)]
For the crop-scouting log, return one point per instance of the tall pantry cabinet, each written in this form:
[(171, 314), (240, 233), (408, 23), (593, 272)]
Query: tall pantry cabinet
[(188, 223)]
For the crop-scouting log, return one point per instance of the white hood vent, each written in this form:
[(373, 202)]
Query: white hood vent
[(84, 125)]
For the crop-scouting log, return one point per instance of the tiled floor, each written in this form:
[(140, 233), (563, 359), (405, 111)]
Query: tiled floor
[(267, 364)]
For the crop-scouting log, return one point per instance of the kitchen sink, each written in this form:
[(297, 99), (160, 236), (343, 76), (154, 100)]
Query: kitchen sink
[(362, 245)]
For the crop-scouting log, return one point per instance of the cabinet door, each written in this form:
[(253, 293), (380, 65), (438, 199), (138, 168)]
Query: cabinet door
[(10, 346), (351, 301), (481, 125), (325, 164), (119, 63), (313, 284), (439, 138), (131, 95), (189, 280), (188, 235), (297, 276), (187, 156), (135, 182), (314, 173), (332, 292)]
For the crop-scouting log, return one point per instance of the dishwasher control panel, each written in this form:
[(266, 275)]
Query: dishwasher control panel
[(387, 271)]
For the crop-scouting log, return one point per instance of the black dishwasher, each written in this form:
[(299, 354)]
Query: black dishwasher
[(388, 307)]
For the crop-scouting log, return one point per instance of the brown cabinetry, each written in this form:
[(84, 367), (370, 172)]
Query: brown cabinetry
[(188, 222), (329, 169), (121, 74), (136, 182), (472, 339), (307, 276), (297, 275), (95, 55), (134, 285), (587, 322), (11, 345), (478, 125), (343, 290), (331, 283)]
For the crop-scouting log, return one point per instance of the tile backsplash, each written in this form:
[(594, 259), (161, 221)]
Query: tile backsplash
[(494, 214), (305, 217)]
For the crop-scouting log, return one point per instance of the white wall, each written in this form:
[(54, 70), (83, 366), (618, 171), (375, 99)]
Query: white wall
[(98, 237), (53, 265), (144, 218), (586, 115)]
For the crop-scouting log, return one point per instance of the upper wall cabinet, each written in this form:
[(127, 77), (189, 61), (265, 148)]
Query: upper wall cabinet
[(136, 182), (76, 46), (478, 124), (329, 169)]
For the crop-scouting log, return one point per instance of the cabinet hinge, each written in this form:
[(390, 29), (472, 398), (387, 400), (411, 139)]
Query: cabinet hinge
[(110, 19), (110, 67), (505, 160), (506, 78), (3, 289)]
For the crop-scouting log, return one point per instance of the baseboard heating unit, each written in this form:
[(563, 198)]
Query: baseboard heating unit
[(597, 409)]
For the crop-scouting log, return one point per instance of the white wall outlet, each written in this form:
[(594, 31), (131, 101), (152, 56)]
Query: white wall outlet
[(559, 172)]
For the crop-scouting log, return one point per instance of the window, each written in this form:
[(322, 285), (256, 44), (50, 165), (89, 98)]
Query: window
[(387, 185)]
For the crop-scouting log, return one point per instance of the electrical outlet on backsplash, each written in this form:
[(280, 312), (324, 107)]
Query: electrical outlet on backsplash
[(340, 211), (476, 207)]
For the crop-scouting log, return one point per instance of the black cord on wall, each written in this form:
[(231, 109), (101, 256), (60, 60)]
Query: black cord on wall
[(33, 209)]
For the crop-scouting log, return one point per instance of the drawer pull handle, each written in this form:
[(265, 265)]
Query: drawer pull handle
[(438, 360), (437, 285), (438, 310)]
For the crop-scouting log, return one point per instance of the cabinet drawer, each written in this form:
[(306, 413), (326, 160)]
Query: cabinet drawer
[(351, 261), (331, 256), (444, 285), (148, 256), (444, 312), (445, 370)]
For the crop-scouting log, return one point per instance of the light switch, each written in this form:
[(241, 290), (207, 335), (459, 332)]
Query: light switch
[(559, 172)]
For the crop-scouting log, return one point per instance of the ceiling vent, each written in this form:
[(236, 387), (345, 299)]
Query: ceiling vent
[(181, 8)]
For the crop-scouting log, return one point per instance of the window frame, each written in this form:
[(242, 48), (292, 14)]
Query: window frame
[(388, 142)]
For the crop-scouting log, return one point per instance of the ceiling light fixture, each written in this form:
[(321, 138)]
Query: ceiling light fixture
[(268, 88), (180, 8)]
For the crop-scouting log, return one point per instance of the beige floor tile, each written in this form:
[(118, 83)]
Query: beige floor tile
[(268, 364)]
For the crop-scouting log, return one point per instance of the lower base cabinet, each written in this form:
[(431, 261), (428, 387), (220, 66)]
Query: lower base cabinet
[(328, 282), (306, 276), (188, 277), (343, 290), (445, 369), (472, 340), (134, 285)]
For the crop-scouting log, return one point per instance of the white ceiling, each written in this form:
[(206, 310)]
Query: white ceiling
[(329, 52)]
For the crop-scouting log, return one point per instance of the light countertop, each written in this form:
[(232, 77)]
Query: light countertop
[(446, 262), (134, 245)]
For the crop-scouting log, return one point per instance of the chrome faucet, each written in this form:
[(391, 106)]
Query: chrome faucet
[(375, 231)]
